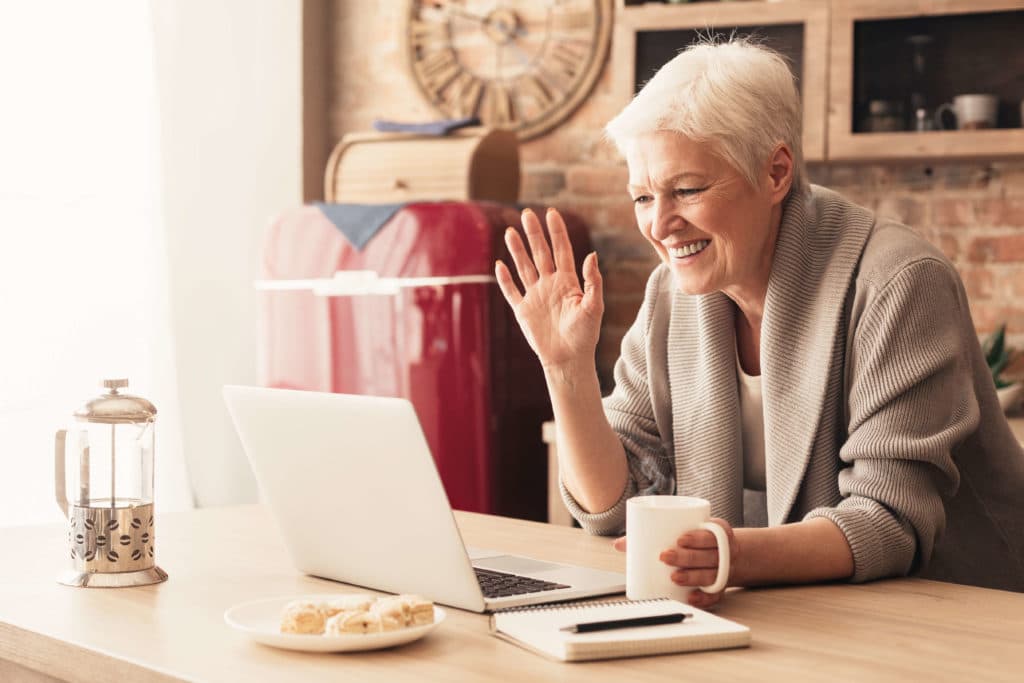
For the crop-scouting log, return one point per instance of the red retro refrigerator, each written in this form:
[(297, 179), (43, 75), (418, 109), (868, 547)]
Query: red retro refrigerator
[(446, 339)]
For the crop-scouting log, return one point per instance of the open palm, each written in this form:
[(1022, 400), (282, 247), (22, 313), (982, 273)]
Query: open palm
[(561, 319)]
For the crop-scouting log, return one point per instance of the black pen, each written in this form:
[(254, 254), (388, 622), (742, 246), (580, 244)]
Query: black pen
[(655, 620)]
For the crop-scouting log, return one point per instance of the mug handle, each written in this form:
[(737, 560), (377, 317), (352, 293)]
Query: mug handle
[(942, 109), (723, 558)]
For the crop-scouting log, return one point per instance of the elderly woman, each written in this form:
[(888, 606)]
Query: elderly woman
[(808, 367)]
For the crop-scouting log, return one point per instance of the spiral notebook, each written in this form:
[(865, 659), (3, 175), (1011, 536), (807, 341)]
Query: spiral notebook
[(539, 629)]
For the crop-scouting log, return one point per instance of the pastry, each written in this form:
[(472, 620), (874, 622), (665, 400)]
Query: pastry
[(336, 625), (302, 616), (421, 610), (348, 602), (414, 610), (396, 608), (351, 613), (394, 614), (357, 621)]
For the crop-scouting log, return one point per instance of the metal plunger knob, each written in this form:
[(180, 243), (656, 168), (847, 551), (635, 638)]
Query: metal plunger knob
[(114, 384)]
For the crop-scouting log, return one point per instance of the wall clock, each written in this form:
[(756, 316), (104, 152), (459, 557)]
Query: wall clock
[(523, 65)]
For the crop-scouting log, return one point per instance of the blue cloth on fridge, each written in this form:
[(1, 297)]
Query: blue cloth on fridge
[(359, 222)]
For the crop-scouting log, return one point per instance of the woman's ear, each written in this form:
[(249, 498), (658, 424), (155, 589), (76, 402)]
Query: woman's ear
[(780, 172)]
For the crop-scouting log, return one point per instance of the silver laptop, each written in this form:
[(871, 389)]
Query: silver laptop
[(355, 492)]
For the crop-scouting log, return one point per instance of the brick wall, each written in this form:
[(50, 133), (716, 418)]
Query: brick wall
[(973, 211)]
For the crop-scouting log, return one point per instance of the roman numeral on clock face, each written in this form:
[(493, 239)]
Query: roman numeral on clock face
[(566, 58), (437, 69), (534, 88), (498, 106), (428, 33), (463, 96)]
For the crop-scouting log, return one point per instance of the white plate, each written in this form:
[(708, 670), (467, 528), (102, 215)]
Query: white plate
[(261, 621)]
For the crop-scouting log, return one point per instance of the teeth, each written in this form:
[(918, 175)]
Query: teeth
[(689, 249)]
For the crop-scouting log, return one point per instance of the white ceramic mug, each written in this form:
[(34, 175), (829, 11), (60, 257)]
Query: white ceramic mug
[(653, 525), (971, 111)]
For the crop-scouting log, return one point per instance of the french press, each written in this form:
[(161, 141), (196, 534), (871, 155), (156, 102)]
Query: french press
[(104, 486)]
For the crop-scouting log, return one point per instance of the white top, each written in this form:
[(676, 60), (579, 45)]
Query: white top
[(752, 418)]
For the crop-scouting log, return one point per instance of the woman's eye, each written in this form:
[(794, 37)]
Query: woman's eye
[(688, 191), (642, 199)]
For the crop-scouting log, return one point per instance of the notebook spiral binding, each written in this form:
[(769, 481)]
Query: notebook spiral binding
[(578, 605)]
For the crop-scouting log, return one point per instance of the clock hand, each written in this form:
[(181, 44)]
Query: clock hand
[(453, 9)]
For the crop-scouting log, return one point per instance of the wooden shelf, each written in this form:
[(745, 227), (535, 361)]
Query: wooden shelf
[(825, 65), (809, 18), (910, 146), (845, 144)]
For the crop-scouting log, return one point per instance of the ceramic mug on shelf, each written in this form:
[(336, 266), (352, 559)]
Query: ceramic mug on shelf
[(653, 525), (971, 111)]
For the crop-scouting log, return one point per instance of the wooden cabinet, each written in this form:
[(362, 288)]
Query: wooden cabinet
[(848, 53), (970, 46), (648, 35)]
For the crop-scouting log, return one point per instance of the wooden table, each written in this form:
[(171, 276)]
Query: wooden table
[(900, 630)]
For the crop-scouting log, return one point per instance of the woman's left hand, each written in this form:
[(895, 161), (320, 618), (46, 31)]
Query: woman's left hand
[(695, 559)]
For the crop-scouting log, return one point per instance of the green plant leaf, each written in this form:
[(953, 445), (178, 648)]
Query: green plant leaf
[(994, 347), (1000, 364)]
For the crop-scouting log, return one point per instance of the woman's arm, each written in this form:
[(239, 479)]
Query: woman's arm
[(810, 551), (591, 458), (909, 404), (802, 552), (562, 322), (911, 401)]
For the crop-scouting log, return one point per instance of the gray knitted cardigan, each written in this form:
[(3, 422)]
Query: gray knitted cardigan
[(880, 413)]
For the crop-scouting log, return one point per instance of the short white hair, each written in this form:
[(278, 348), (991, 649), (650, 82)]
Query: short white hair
[(735, 94)]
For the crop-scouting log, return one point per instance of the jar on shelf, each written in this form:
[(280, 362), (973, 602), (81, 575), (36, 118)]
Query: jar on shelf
[(884, 116), (922, 120)]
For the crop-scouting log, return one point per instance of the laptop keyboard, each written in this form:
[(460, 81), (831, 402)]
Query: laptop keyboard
[(499, 584)]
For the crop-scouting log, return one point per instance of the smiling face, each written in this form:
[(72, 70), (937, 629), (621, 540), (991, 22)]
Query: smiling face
[(706, 222)]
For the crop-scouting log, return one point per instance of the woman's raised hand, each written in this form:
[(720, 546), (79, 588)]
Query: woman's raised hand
[(561, 320)]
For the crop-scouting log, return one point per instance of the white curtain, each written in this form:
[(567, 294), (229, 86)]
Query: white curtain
[(230, 100), (83, 267)]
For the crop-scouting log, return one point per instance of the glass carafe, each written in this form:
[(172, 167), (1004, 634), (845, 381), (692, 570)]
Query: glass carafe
[(104, 486)]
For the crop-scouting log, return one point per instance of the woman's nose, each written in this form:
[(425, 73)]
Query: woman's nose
[(664, 219)]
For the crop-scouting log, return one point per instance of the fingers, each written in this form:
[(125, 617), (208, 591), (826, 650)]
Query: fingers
[(697, 539), (701, 538), (539, 261), (560, 244), (506, 284), (524, 266), (538, 245), (702, 600), (690, 558), (694, 577), (620, 544), (593, 289)]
